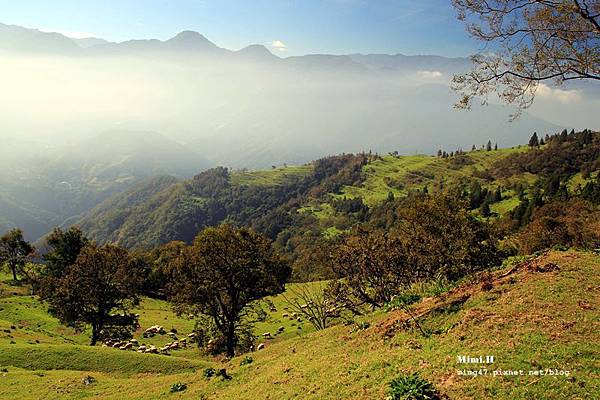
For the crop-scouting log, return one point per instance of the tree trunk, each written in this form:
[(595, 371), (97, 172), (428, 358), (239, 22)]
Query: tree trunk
[(231, 339), (13, 268), (95, 330)]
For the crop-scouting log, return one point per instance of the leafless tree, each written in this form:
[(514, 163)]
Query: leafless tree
[(311, 302)]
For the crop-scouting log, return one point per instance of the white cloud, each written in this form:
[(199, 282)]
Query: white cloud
[(563, 96), (426, 76), (279, 45), (429, 75), (70, 34)]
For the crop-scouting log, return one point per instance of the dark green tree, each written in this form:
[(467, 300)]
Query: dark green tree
[(99, 290), (534, 141), (15, 251), (63, 249), (222, 273), (485, 209), (563, 135), (552, 185), (591, 191), (497, 195), (520, 212), (477, 194)]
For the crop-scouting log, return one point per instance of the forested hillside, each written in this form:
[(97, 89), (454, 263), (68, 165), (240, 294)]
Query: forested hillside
[(180, 210), (306, 208)]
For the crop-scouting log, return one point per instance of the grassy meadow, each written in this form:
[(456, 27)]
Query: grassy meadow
[(532, 316)]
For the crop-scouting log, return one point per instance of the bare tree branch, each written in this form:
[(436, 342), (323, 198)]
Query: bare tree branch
[(531, 41)]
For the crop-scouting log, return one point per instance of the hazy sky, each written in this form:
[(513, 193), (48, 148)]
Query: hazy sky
[(289, 27)]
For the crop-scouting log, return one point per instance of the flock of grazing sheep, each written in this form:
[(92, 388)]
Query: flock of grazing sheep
[(176, 343), (133, 344)]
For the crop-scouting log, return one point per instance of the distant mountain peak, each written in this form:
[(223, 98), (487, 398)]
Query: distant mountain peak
[(188, 34), (191, 40), (256, 51)]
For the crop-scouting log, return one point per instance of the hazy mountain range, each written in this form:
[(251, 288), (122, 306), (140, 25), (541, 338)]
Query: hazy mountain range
[(41, 188), (81, 119), (245, 108)]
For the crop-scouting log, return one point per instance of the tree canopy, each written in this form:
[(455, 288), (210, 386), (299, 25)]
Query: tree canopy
[(222, 273), (63, 249), (15, 251), (98, 290)]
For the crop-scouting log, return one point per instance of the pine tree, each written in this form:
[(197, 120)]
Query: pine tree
[(476, 195), (488, 147), (496, 146), (534, 141), (498, 195), (485, 209), (563, 135)]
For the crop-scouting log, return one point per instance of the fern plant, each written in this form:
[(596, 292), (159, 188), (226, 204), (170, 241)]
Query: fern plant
[(411, 387)]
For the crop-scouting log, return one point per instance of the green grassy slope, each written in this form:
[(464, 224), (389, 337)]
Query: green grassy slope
[(402, 173), (24, 322), (274, 176), (535, 315), (88, 358)]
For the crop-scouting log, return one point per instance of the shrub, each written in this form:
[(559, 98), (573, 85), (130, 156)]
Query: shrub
[(223, 374), (178, 387), (401, 300), (314, 304), (411, 387), (360, 326), (209, 372), (247, 360)]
